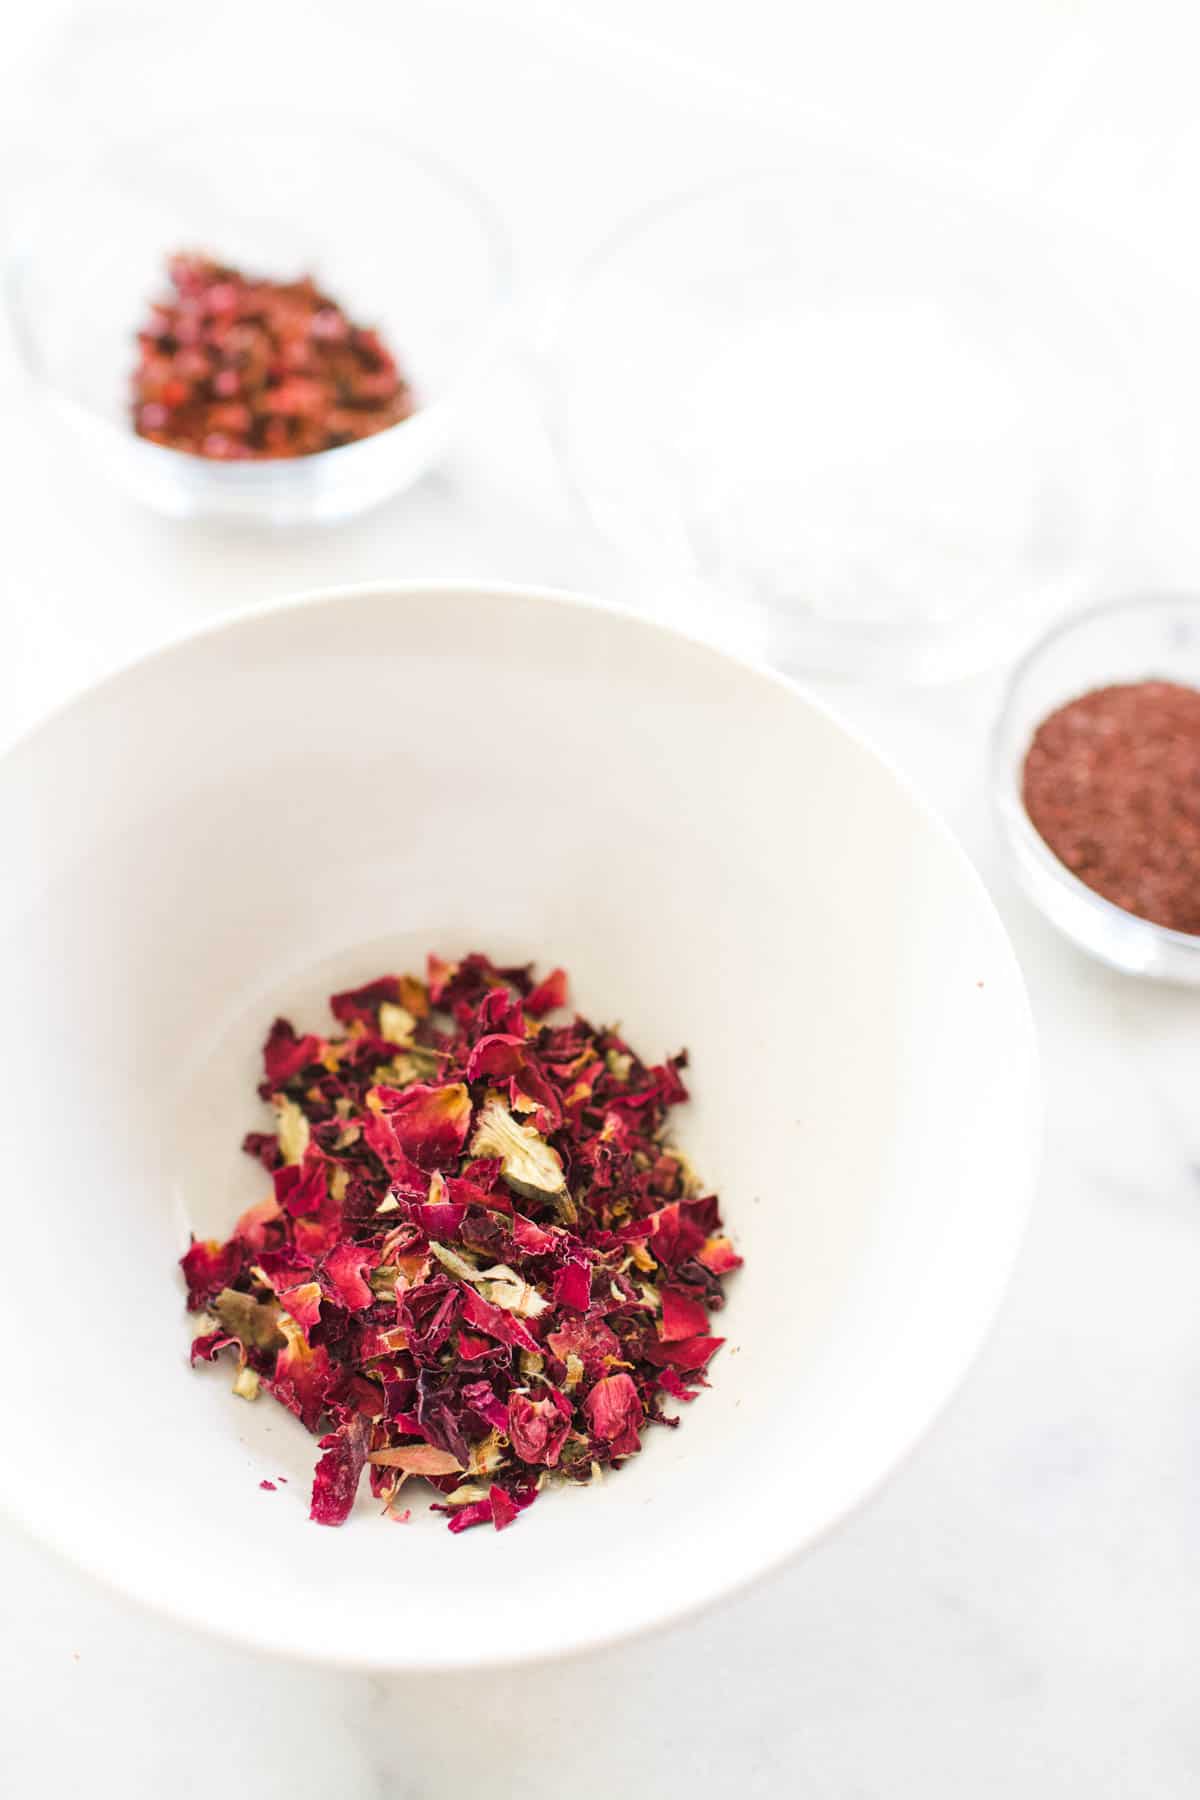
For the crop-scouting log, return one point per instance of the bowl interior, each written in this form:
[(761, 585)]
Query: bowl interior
[(398, 240), (309, 795)]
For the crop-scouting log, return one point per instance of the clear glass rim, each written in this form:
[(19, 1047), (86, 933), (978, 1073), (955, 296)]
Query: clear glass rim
[(273, 472), (1022, 835), (931, 182)]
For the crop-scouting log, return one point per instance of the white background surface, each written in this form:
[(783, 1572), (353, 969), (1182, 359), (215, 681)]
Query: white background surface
[(1019, 1612)]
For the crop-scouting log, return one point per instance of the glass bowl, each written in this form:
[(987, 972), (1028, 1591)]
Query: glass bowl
[(402, 242), (870, 409), (1152, 638)]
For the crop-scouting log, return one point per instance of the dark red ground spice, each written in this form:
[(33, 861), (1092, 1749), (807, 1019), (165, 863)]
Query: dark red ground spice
[(1112, 783), (239, 368)]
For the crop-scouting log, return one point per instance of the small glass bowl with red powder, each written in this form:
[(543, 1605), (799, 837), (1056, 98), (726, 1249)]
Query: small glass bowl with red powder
[(363, 284), (1096, 782)]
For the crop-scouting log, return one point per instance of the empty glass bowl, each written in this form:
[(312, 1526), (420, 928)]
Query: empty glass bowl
[(1154, 638), (872, 410), (399, 240)]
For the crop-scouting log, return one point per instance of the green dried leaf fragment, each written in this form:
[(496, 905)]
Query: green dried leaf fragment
[(415, 1063), (691, 1182), (454, 1263), (531, 1166), (487, 1456), (500, 1285), (254, 1323), (510, 1291), (382, 1281), (396, 1024), (292, 1129), (465, 1495)]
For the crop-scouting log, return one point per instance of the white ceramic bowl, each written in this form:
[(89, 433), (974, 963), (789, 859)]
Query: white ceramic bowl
[(307, 795)]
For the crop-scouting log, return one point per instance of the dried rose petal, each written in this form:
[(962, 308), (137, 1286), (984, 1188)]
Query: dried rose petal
[(683, 1316), (251, 1228), (391, 1292), (547, 995), (495, 1322), (302, 1187), (208, 1267), (688, 1354), (342, 1275), (425, 1125), (285, 1055), (718, 1256), (614, 1412), (589, 1339), (206, 1347), (302, 1303), (264, 1147), (480, 1396), (283, 1268), (499, 1054), (534, 1240), (303, 1376), (427, 1313), (361, 1005), (538, 1427), (335, 1482), (573, 1285), (504, 1508), (478, 1513), (441, 1221), (674, 1236), (672, 1383)]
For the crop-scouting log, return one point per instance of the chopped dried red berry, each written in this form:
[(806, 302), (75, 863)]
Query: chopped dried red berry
[(239, 368), (481, 1264)]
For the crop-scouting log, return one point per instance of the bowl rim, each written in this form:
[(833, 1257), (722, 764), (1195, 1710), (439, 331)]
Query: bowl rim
[(943, 1392), (1021, 835), (261, 472)]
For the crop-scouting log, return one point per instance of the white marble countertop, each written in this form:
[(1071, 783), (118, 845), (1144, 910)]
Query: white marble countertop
[(1018, 1613)]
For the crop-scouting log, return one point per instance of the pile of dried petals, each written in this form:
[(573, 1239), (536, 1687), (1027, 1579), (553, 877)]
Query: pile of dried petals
[(239, 368), (480, 1262)]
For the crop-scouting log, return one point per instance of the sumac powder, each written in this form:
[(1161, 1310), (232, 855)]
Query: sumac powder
[(240, 368), (1112, 783)]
